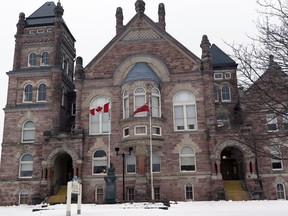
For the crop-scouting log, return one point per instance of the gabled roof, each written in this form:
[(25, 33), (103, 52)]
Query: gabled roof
[(43, 15), (157, 32), (141, 71), (220, 59)]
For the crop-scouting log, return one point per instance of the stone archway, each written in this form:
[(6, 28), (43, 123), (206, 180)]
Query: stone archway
[(62, 170), (232, 164)]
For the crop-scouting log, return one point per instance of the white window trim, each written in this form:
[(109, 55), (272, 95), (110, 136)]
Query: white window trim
[(126, 162), (215, 76), (154, 134), (225, 100), (284, 191), (37, 96), (194, 156), (29, 65), (140, 114), (29, 129), (158, 96), (185, 186), (140, 126), (125, 96), (25, 162), (227, 75), (42, 64), (95, 159), (126, 128), (23, 99)]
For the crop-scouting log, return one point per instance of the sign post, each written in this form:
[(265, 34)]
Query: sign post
[(73, 187)]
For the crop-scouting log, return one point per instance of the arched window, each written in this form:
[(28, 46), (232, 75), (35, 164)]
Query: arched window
[(23, 197), (44, 58), (222, 120), (99, 194), (216, 94), (280, 190), (100, 121), (189, 191), (28, 131), (32, 59), (125, 104), (184, 105), (130, 164), (226, 93), (28, 93), (41, 92), (156, 163), (187, 159), (26, 166), (99, 162), (155, 102), (63, 96), (139, 100)]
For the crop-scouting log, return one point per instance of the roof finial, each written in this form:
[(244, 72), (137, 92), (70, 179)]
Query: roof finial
[(140, 7), (58, 10)]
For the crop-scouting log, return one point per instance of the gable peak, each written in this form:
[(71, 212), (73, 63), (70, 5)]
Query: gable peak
[(140, 7)]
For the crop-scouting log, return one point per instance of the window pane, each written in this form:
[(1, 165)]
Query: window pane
[(42, 92), (28, 93), (226, 93)]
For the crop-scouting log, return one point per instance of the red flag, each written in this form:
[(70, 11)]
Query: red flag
[(92, 111), (143, 108), (106, 107)]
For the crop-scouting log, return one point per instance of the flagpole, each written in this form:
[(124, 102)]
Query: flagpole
[(151, 152), (109, 137)]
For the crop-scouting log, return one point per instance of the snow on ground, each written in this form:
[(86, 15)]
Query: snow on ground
[(215, 208)]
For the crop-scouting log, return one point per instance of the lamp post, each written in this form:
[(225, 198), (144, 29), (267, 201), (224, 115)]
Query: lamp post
[(123, 163)]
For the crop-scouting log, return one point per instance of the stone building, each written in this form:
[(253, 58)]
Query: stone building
[(63, 119)]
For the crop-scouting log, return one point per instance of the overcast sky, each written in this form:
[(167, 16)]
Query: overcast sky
[(92, 22)]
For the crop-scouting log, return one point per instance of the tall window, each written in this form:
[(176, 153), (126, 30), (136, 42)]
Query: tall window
[(63, 96), (184, 105), (73, 109), (139, 100), (187, 159), (216, 95), (125, 104), (44, 58), (156, 163), (276, 155), (28, 93), (155, 102), (189, 192), (100, 122), (130, 194), (41, 94), (271, 119), (32, 59), (280, 190), (99, 162), (99, 194), (28, 131), (285, 119), (130, 164), (226, 93), (23, 197), (157, 193), (26, 166)]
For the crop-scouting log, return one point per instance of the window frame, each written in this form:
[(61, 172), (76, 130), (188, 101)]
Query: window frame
[(271, 121), (101, 159), (28, 93), (124, 130), (125, 97), (44, 58), (182, 157), (23, 197), (140, 126), (183, 105), (189, 194), (32, 59), (220, 76), (275, 149), (156, 134), (101, 120), (155, 102), (156, 163), (225, 93), (216, 93), (99, 197), (26, 163), (140, 99), (280, 193), (130, 164), (41, 92), (28, 130)]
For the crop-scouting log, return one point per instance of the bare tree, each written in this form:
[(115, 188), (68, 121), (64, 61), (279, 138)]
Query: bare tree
[(263, 77)]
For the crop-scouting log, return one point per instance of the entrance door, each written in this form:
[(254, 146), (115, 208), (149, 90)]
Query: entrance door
[(232, 164), (63, 171)]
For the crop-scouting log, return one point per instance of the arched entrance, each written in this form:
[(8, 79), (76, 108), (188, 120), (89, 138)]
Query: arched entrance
[(232, 166), (62, 170)]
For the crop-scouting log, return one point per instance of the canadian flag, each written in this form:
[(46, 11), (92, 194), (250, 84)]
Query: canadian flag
[(143, 108), (104, 109)]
